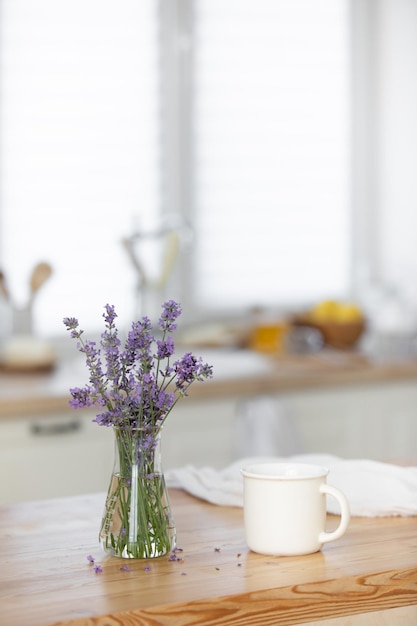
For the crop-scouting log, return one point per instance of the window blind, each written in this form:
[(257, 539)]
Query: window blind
[(271, 141), (84, 154), (79, 150)]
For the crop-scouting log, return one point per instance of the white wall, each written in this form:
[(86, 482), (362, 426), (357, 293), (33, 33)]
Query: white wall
[(396, 149)]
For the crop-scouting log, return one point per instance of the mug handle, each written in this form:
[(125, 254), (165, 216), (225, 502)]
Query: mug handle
[(345, 514)]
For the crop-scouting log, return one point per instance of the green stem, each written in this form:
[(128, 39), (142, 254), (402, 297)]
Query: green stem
[(137, 521)]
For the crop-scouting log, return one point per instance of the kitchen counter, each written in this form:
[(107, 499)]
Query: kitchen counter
[(370, 574), (241, 373)]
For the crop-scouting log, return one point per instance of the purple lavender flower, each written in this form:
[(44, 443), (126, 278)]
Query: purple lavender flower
[(110, 315), (188, 369), (164, 402), (134, 385), (98, 569), (82, 398), (90, 558), (93, 361), (105, 419), (138, 345), (148, 442), (185, 368), (171, 311), (166, 348), (110, 343), (72, 324), (138, 386)]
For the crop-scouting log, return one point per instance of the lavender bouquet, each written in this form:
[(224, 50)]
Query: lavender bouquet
[(134, 389)]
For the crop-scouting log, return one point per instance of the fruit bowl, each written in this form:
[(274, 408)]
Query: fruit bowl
[(342, 335)]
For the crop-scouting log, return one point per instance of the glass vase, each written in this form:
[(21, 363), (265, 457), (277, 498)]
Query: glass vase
[(137, 521)]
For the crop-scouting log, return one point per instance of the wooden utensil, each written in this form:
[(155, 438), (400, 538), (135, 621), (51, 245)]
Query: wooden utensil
[(3, 288), (40, 274)]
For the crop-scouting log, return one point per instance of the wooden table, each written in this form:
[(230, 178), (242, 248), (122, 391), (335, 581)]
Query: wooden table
[(45, 576)]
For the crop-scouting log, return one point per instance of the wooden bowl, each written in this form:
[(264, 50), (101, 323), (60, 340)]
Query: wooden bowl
[(342, 335)]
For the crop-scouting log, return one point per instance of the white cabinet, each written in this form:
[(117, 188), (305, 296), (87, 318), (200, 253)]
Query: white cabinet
[(200, 433), (45, 457), (68, 454), (376, 421)]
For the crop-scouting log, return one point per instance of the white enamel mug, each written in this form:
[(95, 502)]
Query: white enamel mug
[(285, 508)]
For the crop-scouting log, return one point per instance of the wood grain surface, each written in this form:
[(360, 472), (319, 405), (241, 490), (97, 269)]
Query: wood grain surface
[(45, 577)]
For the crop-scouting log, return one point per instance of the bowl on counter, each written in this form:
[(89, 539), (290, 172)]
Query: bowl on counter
[(23, 353), (336, 334)]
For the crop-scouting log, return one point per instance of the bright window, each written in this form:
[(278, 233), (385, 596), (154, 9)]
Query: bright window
[(79, 149), (89, 147), (272, 152)]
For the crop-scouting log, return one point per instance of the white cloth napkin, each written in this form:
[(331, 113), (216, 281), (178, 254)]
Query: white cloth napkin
[(373, 489)]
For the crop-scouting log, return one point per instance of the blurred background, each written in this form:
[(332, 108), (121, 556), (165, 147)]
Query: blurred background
[(254, 160), (255, 154)]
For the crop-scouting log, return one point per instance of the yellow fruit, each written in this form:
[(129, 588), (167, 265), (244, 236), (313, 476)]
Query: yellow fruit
[(333, 311), (349, 313), (324, 311)]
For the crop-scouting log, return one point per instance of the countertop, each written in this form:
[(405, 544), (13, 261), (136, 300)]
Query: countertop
[(45, 577), (236, 372)]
